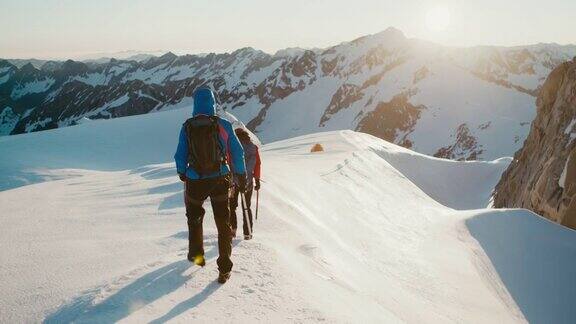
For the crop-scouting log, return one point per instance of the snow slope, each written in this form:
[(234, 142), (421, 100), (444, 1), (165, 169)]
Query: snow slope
[(110, 145), (364, 232)]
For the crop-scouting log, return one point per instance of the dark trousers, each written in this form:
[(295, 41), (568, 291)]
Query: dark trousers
[(234, 205), (195, 194)]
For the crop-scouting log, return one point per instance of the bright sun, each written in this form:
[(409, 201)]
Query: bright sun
[(438, 19)]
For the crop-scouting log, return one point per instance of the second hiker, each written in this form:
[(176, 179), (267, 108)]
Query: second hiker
[(252, 161)]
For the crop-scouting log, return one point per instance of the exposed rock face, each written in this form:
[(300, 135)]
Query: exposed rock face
[(346, 95), (542, 176), (392, 120), (464, 148)]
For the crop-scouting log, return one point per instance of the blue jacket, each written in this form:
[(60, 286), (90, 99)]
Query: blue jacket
[(204, 104)]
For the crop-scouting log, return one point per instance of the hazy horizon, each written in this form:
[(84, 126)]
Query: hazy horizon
[(62, 29), (132, 52)]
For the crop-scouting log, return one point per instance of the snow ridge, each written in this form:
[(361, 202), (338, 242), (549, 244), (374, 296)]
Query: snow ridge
[(384, 231)]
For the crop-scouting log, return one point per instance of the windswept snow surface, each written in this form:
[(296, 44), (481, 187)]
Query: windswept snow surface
[(365, 231), (103, 145)]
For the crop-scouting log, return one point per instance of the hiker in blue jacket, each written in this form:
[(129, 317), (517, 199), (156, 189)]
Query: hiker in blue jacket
[(208, 156)]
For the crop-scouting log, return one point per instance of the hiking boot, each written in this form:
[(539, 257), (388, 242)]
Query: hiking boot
[(223, 277), (248, 237), (197, 260)]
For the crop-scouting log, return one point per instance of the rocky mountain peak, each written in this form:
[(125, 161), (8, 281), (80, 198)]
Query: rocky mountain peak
[(247, 49), (5, 63), (51, 66), (391, 32), (542, 176), (71, 67), (28, 68), (168, 57), (389, 37), (27, 72)]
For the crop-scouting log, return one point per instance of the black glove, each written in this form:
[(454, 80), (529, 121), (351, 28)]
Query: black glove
[(241, 182), (182, 177), (257, 186)]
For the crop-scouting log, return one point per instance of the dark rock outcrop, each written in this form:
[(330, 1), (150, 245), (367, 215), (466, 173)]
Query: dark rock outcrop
[(464, 148), (542, 176), (391, 120)]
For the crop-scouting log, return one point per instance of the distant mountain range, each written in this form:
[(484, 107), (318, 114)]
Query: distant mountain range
[(91, 58), (458, 103)]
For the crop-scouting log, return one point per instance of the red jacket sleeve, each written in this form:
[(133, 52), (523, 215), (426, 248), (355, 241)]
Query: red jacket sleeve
[(257, 166)]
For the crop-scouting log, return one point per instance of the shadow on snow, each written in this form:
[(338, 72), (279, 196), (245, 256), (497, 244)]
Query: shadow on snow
[(189, 303), (536, 260), (136, 295)]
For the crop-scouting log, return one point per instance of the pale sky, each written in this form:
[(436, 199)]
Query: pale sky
[(73, 28)]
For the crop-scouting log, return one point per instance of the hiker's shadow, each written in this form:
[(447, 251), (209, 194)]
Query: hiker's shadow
[(141, 292), (134, 296), (189, 303), (193, 301)]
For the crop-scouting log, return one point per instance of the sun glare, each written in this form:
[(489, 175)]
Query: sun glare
[(438, 19)]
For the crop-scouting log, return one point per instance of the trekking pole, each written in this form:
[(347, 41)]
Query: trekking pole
[(185, 198), (245, 213), (257, 199)]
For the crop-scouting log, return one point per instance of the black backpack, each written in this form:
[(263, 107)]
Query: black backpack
[(205, 152)]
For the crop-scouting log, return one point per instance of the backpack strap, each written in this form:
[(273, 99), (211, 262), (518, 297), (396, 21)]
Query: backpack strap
[(223, 155)]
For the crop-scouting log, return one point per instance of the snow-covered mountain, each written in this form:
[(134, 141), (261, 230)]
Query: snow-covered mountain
[(365, 231), (129, 55), (89, 58), (459, 103)]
